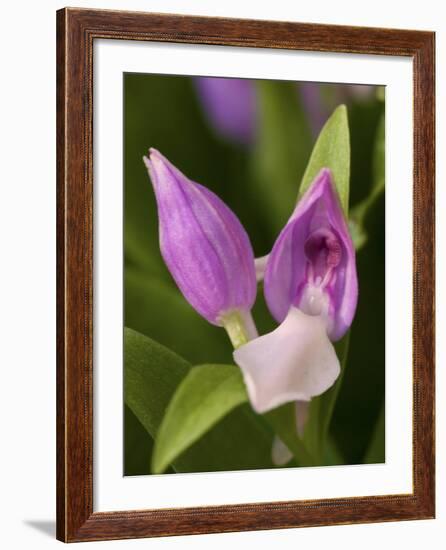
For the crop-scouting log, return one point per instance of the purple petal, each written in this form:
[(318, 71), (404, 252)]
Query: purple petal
[(230, 105), (295, 362), (203, 244), (314, 243)]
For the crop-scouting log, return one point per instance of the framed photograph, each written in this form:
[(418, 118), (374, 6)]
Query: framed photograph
[(245, 275)]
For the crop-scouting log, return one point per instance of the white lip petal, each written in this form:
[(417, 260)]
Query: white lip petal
[(295, 362)]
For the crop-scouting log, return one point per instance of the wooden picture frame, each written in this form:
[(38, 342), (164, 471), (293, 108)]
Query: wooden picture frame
[(77, 29)]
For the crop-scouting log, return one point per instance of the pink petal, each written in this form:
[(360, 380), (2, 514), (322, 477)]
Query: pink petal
[(286, 273), (295, 362), (203, 243)]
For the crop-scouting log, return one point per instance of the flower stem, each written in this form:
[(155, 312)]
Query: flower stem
[(240, 327)]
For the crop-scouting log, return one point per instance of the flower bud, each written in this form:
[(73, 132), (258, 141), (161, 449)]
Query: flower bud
[(203, 244)]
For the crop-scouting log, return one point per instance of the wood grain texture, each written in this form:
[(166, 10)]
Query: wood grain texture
[(76, 31)]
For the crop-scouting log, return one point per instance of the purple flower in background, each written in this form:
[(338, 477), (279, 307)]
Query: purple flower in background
[(203, 244), (317, 112), (357, 92), (230, 106), (311, 288), (319, 100)]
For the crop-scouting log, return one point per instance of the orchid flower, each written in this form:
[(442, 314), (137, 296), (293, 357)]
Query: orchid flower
[(310, 287), (205, 248)]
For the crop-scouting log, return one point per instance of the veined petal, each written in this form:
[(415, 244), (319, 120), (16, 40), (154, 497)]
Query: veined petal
[(203, 244), (317, 217), (295, 362)]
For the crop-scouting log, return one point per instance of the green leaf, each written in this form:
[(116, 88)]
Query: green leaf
[(332, 455), (379, 158), (360, 212), (332, 150), (327, 400), (283, 421), (138, 445), (176, 324), (281, 151), (206, 394), (322, 407), (376, 449), (152, 374), (363, 385)]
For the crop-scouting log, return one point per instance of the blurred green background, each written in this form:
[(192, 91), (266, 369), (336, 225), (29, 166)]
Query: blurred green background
[(259, 181)]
